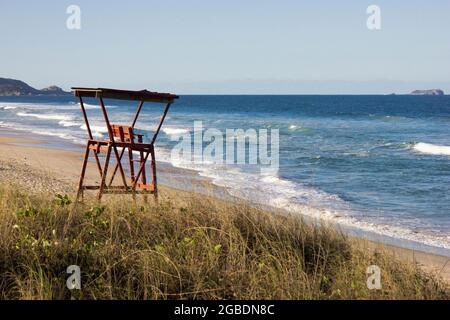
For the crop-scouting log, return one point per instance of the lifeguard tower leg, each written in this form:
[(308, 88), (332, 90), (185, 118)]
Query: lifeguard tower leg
[(83, 172), (154, 181), (105, 172), (97, 160), (130, 158), (144, 176)]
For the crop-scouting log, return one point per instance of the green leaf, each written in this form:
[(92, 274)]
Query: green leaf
[(63, 200), (217, 248), (26, 212)]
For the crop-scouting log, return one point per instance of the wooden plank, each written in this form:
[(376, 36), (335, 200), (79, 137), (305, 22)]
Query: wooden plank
[(145, 186), (143, 95)]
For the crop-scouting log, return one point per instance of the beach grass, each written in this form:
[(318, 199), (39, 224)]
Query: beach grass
[(187, 246)]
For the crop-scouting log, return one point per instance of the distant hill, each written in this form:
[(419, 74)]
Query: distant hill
[(12, 87), (54, 90), (430, 92)]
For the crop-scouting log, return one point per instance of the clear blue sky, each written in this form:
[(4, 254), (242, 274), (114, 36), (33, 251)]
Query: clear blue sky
[(201, 46)]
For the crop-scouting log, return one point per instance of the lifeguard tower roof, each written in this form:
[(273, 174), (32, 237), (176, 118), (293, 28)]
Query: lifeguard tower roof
[(142, 95)]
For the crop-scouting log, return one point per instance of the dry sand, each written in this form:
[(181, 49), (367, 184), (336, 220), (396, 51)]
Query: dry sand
[(32, 166), (36, 168)]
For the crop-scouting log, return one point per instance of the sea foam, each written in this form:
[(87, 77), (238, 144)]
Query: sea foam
[(170, 131), (429, 148), (45, 116)]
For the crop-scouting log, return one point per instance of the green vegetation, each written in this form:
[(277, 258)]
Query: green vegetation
[(186, 247)]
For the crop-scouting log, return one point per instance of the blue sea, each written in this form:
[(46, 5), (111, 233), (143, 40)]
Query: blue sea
[(379, 165)]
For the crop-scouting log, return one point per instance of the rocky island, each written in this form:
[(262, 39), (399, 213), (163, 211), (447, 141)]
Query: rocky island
[(430, 92), (13, 87)]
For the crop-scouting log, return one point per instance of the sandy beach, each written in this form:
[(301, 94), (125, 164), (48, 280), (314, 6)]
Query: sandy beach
[(34, 167)]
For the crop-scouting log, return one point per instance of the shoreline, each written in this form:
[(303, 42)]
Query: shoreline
[(31, 164)]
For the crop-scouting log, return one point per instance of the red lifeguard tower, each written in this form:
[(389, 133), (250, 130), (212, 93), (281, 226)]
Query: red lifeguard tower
[(122, 137)]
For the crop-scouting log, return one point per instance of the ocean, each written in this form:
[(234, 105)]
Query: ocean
[(376, 165)]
